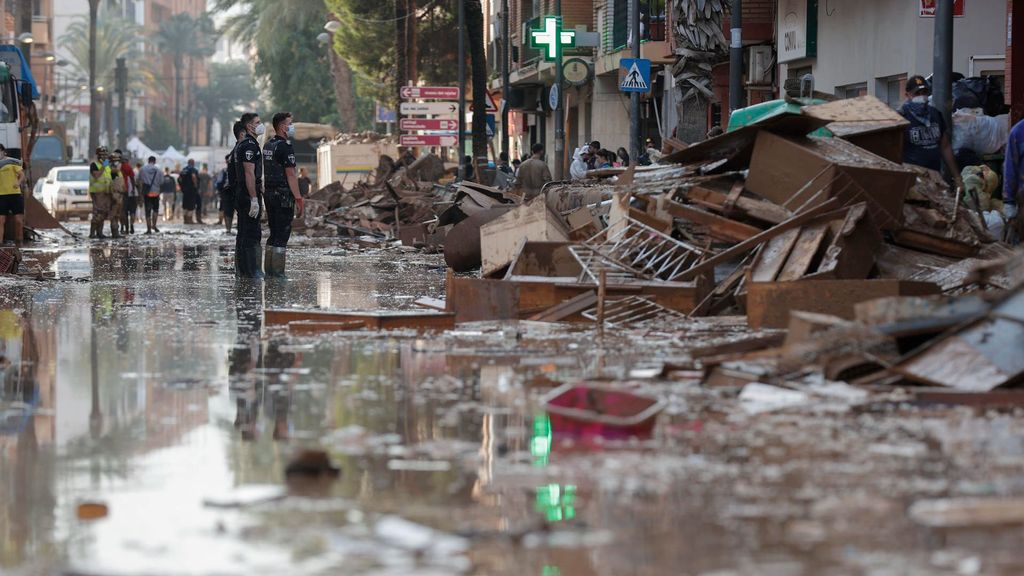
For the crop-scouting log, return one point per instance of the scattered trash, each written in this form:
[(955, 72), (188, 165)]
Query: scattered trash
[(967, 512), (92, 510), (600, 410), (245, 495)]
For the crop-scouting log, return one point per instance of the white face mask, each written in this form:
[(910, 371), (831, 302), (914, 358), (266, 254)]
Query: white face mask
[(291, 131), (260, 129), (919, 99)]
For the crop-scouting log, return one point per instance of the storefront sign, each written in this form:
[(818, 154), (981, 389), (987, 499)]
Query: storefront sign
[(928, 8), (798, 29)]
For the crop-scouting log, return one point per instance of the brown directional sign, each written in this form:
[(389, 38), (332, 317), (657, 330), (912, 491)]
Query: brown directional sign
[(428, 140), (430, 92), (428, 124)]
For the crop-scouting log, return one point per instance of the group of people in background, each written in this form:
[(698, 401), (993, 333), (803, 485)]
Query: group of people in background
[(119, 190)]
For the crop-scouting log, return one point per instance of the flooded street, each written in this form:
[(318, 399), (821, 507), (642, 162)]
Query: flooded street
[(143, 379)]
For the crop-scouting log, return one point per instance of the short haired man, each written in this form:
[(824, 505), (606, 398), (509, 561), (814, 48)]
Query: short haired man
[(12, 203), (229, 184), (150, 179), (249, 175), (283, 198), (188, 181), (534, 173)]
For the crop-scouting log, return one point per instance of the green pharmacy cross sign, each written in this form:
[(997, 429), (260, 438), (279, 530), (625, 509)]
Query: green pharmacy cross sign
[(552, 38)]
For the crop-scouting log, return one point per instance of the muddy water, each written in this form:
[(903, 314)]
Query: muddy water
[(145, 380)]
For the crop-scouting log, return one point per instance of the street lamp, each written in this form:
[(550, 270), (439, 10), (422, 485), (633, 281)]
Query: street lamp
[(323, 37), (332, 26), (25, 38), (99, 88)]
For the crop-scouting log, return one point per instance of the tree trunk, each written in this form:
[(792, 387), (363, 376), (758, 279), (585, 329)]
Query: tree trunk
[(94, 121), (209, 128), (400, 52), (344, 92), (693, 120), (108, 118), (412, 50), (178, 64), (475, 31)]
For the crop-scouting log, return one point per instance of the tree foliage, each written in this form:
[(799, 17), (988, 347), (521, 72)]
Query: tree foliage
[(184, 37), (161, 133), (115, 38), (282, 33), (229, 90)]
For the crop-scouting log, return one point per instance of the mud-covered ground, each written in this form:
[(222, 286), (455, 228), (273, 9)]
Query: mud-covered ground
[(142, 378)]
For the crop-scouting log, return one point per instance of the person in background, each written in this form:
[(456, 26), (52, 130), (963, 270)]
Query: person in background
[(131, 199), (118, 197), (594, 149), (150, 181), (503, 164), (1013, 177), (229, 186), (168, 193), (188, 181), (304, 183), (623, 156), (205, 192), (467, 167), (12, 203), (578, 168), (99, 190), (534, 173), (606, 159), (927, 141), (651, 153)]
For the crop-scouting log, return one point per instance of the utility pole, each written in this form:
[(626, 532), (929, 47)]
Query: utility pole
[(506, 90), (942, 73), (121, 81), (559, 112), (736, 59), (462, 87), (634, 98)]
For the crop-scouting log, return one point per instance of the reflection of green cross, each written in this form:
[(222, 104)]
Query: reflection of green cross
[(552, 38)]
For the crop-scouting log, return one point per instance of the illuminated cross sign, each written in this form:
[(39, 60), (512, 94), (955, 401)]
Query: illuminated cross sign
[(552, 38)]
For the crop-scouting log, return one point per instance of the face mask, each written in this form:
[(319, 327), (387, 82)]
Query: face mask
[(106, 163), (260, 129), (919, 99), (291, 131)]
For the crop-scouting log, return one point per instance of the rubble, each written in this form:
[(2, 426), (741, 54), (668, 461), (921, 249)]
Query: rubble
[(841, 260)]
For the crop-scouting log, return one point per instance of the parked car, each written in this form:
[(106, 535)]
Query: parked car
[(65, 192)]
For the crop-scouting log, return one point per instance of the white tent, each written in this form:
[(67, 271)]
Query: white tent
[(171, 157), (138, 149)]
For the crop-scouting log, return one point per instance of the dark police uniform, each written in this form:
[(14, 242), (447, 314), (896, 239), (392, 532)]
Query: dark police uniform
[(247, 242), (228, 186), (278, 155)]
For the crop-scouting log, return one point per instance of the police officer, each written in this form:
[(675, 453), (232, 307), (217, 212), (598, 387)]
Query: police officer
[(230, 184), (100, 181), (283, 198), (249, 180)]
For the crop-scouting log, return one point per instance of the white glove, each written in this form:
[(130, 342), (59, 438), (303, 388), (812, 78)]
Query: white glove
[(1009, 211), (254, 207)]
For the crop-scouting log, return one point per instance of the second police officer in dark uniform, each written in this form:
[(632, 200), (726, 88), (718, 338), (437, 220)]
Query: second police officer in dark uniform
[(282, 192), (249, 181), (230, 185)]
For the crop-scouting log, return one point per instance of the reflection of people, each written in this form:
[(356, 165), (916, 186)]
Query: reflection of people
[(243, 358)]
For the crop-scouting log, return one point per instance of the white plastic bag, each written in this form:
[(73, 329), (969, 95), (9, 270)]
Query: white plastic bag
[(982, 134)]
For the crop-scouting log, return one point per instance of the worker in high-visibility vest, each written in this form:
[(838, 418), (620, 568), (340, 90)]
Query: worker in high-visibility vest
[(100, 181)]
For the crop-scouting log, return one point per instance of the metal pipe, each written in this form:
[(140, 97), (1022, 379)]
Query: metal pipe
[(942, 73), (559, 112), (462, 87), (506, 90), (736, 58), (634, 99)]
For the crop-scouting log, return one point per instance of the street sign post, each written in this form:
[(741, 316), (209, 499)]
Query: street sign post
[(429, 108), (430, 92), (429, 124), (428, 140)]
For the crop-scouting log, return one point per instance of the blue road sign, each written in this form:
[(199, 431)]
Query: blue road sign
[(638, 75)]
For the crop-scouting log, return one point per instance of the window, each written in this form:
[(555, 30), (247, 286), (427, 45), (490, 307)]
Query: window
[(72, 175), (620, 24), (48, 148), (889, 89), (852, 90), (652, 20)]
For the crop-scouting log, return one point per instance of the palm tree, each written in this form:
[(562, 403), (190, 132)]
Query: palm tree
[(183, 36), (229, 89), (701, 45), (93, 46)]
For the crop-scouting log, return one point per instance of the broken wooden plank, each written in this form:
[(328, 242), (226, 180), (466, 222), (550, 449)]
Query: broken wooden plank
[(934, 244), (432, 303), (804, 252), (719, 227), (769, 303), (824, 211), (773, 257), (568, 308), (372, 320), (851, 254), (759, 209)]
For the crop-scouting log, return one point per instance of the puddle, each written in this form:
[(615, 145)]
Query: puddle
[(154, 389)]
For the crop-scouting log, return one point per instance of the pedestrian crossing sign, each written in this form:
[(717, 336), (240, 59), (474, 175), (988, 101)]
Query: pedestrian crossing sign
[(637, 77)]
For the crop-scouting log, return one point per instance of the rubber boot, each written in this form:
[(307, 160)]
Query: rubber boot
[(227, 224), (92, 229), (279, 260), (114, 225), (149, 224), (268, 261), (254, 262), (188, 217)]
